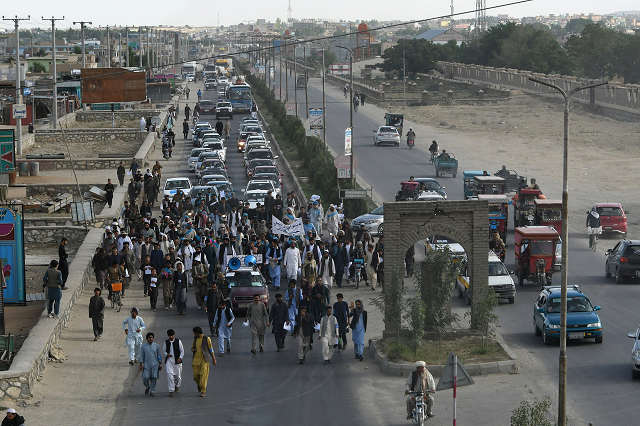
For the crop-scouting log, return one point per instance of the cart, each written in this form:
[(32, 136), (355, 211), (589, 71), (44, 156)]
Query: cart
[(446, 165)]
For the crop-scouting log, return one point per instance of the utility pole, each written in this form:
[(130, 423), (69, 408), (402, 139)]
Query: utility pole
[(53, 69), (324, 103), (280, 72), (295, 78), (140, 46), (148, 52), (16, 22), (286, 74), (108, 48), (126, 44), (404, 79), (562, 384), (83, 25), (306, 80), (353, 173)]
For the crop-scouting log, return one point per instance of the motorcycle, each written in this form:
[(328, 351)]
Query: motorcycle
[(166, 152), (410, 143), (420, 412), (434, 154), (358, 265)]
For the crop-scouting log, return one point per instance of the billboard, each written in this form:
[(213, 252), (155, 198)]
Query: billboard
[(7, 151), (106, 85), (12, 254)]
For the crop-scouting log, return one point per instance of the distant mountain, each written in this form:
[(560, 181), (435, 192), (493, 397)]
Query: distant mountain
[(626, 12)]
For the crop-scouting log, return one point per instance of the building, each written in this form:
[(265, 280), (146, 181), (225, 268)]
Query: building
[(441, 36)]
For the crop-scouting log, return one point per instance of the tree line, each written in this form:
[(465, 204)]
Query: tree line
[(596, 52)]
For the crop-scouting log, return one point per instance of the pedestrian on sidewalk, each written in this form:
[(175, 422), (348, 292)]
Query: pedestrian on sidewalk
[(359, 327), (100, 266), (180, 288), (257, 317), (52, 280), (302, 333), (371, 273), (133, 168), (187, 111), (133, 326), (63, 265), (109, 188), (328, 334), (278, 317), (223, 322), (202, 350), (174, 353), (143, 124), (121, 172), (150, 364), (341, 312), (153, 289), (362, 98), (96, 312)]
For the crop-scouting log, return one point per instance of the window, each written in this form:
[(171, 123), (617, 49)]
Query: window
[(177, 184), (542, 248), (553, 214), (378, 211), (497, 268), (609, 211), (245, 280)]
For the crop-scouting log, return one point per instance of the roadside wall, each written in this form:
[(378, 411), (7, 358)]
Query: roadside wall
[(53, 234), (79, 164), (105, 135), (615, 99), (106, 116)]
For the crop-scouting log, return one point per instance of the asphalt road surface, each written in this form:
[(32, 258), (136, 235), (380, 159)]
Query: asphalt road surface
[(598, 374)]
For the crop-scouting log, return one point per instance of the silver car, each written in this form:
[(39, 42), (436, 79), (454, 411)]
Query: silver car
[(635, 353), (373, 221), (386, 134)]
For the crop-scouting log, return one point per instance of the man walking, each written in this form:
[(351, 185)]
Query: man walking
[(341, 312), (223, 322), (302, 333), (278, 317), (257, 317), (219, 127), (109, 188), (328, 334), (63, 265), (202, 355), (180, 289), (121, 172), (133, 326), (133, 168), (150, 364), (96, 312), (187, 111), (212, 300), (185, 127), (173, 352), (274, 258), (133, 192), (52, 280), (199, 274)]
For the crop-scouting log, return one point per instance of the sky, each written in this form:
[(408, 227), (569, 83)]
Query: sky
[(205, 13)]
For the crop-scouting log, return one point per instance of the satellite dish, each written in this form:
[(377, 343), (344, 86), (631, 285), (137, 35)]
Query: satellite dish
[(234, 264)]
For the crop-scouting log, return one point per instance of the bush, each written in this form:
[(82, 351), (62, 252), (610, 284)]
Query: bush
[(532, 414)]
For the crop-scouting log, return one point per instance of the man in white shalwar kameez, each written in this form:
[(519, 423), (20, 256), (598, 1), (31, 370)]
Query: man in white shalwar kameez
[(328, 334), (133, 327), (292, 261), (188, 253), (332, 220), (173, 352)]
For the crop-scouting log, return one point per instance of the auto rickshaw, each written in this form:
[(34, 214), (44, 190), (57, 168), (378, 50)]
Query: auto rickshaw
[(488, 185), (396, 120), (549, 213), (524, 207), (467, 182), (408, 191), (498, 213), (535, 251)]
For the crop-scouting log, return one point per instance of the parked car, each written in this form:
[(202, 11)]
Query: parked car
[(172, 185), (373, 221), (635, 353), (623, 260), (613, 218), (207, 107), (386, 135), (582, 320)]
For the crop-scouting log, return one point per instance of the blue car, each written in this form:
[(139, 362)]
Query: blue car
[(582, 320)]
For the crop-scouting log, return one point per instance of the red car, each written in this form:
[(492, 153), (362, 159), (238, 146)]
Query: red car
[(207, 107), (613, 218)]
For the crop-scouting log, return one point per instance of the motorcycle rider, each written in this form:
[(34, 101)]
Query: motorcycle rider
[(496, 244), (433, 149), (358, 253), (345, 90), (411, 136), (420, 380), (199, 94), (593, 221), (356, 102)]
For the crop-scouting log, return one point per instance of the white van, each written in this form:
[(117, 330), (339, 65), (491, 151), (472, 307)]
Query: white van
[(499, 280)]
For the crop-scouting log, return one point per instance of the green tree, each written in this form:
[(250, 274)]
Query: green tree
[(593, 50), (37, 67), (77, 50), (390, 301), (575, 26), (40, 53), (449, 52), (278, 23), (420, 56), (532, 49), (627, 54), (532, 414), (490, 44)]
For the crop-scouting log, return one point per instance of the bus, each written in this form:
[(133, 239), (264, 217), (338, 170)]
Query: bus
[(240, 97)]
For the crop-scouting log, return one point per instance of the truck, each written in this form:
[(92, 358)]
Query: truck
[(189, 68)]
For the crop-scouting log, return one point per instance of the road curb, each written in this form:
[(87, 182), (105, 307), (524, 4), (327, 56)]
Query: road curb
[(481, 369)]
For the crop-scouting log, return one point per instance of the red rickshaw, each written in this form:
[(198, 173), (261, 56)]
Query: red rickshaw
[(549, 213), (535, 251)]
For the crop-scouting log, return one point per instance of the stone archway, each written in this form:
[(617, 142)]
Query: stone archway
[(407, 222)]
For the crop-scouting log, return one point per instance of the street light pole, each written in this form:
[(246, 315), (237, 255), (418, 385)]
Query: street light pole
[(562, 385), (324, 105), (353, 172)]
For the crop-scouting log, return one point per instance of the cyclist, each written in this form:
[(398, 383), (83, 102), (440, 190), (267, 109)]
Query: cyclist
[(593, 225)]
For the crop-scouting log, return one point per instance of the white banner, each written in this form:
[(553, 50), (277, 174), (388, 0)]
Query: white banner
[(347, 141), (295, 228)]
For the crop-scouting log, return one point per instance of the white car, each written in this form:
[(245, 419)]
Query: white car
[(217, 146), (207, 179), (193, 157), (254, 197), (386, 134), (262, 185), (499, 280), (430, 196), (171, 186)]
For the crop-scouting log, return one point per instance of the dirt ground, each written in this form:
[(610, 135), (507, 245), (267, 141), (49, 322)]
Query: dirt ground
[(525, 134)]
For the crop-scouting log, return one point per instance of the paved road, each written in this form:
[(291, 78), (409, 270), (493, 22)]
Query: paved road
[(597, 374)]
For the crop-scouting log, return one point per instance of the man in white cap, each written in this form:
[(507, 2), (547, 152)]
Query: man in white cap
[(12, 418), (332, 220), (133, 326), (420, 380)]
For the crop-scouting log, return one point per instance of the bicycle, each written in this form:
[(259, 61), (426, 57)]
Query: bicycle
[(593, 236), (116, 291), (358, 265)]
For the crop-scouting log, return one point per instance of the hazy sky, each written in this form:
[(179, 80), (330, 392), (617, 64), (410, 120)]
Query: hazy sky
[(201, 13)]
